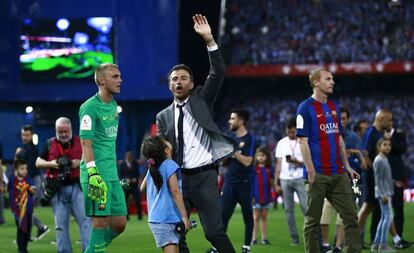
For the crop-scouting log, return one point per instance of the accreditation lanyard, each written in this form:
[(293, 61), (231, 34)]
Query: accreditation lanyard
[(294, 147)]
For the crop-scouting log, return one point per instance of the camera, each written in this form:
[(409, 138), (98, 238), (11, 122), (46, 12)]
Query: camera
[(288, 157), (180, 227), (64, 167), (54, 184)]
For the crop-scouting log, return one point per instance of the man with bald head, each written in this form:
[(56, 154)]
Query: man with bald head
[(381, 128), (61, 158), (381, 125)]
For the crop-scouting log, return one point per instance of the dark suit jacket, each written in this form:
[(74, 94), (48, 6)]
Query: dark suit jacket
[(398, 148), (200, 105)]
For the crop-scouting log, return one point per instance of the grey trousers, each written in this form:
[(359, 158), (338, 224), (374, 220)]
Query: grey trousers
[(201, 191), (289, 187)]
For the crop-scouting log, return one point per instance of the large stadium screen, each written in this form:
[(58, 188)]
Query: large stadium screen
[(65, 49)]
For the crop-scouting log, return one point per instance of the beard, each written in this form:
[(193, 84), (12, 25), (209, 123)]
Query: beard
[(64, 140), (233, 128)]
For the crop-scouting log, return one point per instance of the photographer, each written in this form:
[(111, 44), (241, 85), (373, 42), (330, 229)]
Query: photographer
[(61, 157)]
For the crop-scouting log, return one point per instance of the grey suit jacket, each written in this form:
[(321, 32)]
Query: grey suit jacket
[(201, 103)]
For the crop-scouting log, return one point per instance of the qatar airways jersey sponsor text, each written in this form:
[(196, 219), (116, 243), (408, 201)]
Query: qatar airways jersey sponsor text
[(329, 128)]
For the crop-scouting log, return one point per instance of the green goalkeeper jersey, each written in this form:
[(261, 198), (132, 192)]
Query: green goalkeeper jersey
[(99, 123)]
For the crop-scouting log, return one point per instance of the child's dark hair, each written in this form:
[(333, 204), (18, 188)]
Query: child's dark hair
[(18, 162), (265, 151), (380, 141), (153, 150)]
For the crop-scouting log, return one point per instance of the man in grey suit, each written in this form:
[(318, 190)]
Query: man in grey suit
[(197, 141)]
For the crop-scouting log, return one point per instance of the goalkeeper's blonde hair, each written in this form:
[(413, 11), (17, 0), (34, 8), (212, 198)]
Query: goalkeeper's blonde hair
[(100, 70)]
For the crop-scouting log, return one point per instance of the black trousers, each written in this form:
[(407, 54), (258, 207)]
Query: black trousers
[(375, 218), (238, 193), (23, 238), (201, 191), (137, 198), (398, 206)]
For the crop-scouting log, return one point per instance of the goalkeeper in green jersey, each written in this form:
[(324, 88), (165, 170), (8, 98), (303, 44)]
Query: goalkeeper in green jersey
[(104, 197)]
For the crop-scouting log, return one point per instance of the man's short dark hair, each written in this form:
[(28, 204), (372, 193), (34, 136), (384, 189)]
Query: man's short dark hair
[(290, 123), (27, 128), (242, 114), (178, 67), (346, 111)]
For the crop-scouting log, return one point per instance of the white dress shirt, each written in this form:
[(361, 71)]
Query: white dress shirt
[(197, 143)]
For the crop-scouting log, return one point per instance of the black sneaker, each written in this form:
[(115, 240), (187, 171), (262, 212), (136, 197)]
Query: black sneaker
[(325, 249), (336, 250), (42, 232), (403, 244), (254, 242), (212, 250), (265, 242)]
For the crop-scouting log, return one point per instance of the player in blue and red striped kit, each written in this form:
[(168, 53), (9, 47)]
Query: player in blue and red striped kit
[(319, 130)]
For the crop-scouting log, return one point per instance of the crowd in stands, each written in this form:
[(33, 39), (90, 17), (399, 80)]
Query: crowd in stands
[(268, 114), (328, 31)]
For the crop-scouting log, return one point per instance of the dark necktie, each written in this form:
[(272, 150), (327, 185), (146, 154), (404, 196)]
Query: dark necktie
[(180, 151)]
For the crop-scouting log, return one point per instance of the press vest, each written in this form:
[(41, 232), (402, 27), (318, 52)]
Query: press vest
[(56, 150)]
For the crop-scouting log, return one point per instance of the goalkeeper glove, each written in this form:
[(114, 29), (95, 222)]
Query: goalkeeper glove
[(96, 186)]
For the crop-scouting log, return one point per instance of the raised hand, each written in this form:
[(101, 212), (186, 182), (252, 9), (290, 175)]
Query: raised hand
[(202, 27)]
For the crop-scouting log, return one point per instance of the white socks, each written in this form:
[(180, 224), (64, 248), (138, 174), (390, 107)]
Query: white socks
[(396, 238)]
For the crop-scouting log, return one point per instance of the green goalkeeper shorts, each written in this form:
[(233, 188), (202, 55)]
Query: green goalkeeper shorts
[(115, 201)]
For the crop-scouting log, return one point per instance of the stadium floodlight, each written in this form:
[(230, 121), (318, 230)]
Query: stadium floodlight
[(35, 139), (393, 3), (62, 24), (29, 109)]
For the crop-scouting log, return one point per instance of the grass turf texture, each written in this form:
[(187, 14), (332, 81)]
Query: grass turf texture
[(138, 238)]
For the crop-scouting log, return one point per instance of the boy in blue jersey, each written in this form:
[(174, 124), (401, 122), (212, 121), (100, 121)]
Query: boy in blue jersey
[(323, 149)]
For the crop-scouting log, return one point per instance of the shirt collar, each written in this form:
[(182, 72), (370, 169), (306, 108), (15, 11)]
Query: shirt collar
[(180, 103)]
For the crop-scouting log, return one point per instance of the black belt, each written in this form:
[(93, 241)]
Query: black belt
[(197, 170)]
